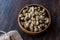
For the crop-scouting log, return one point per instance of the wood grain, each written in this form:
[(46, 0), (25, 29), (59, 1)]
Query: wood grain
[(9, 10)]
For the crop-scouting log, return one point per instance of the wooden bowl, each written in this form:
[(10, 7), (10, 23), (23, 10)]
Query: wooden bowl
[(29, 32)]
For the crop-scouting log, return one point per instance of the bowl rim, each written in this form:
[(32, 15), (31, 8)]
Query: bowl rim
[(26, 31)]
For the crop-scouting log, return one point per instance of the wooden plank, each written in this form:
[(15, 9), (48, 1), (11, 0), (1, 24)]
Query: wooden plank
[(9, 10)]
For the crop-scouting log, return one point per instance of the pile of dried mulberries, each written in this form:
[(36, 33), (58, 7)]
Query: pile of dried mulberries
[(34, 18)]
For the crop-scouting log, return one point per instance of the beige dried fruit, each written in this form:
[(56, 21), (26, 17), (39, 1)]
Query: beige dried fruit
[(40, 21), (35, 8), (31, 10), (46, 25), (31, 27), (37, 22), (33, 22), (35, 29), (42, 24), (24, 11), (26, 24), (42, 11), (22, 18), (29, 15), (29, 21), (37, 18), (38, 27), (41, 17), (46, 20), (36, 12), (38, 8), (33, 19), (20, 15)]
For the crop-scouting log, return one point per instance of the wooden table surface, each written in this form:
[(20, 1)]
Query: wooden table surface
[(9, 10)]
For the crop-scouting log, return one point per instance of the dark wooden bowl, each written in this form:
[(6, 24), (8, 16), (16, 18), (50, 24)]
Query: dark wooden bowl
[(34, 33)]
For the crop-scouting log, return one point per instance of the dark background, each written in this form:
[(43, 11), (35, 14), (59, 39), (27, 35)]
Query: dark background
[(9, 10)]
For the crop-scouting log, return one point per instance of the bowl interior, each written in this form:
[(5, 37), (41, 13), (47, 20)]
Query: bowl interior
[(37, 5)]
